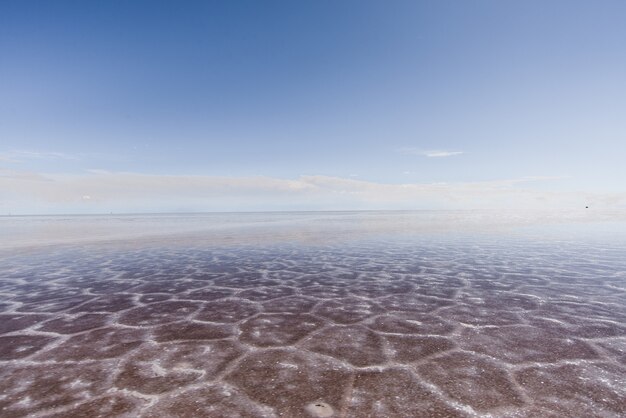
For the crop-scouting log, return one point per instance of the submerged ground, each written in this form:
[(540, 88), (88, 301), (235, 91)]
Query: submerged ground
[(342, 315)]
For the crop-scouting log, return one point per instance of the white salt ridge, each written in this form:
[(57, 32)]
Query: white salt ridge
[(443, 327)]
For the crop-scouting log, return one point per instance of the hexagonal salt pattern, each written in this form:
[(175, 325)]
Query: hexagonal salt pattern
[(366, 329)]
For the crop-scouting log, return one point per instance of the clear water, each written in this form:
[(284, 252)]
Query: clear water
[(351, 314)]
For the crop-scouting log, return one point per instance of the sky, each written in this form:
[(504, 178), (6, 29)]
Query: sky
[(167, 106)]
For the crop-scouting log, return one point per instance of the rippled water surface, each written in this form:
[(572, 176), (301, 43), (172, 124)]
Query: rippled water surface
[(313, 315)]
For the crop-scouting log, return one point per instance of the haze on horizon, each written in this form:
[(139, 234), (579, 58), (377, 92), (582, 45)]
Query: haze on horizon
[(155, 106)]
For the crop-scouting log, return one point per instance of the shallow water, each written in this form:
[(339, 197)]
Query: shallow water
[(320, 314)]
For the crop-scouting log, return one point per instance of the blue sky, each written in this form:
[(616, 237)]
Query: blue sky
[(247, 105)]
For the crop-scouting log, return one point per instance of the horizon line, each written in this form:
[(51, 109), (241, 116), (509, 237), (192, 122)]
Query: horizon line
[(12, 215)]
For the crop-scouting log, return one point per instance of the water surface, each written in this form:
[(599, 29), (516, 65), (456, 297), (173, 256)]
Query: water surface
[(345, 314)]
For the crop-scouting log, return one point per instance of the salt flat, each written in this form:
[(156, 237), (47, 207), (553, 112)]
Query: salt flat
[(344, 314)]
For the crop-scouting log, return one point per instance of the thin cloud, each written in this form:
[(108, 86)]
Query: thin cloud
[(438, 153), (128, 192), (18, 156)]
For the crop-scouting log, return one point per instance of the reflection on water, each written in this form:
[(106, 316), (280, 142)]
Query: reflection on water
[(261, 228), (305, 315)]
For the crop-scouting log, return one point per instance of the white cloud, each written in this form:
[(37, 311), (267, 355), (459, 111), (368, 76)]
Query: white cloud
[(131, 192), (440, 153), (430, 153), (17, 156)]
